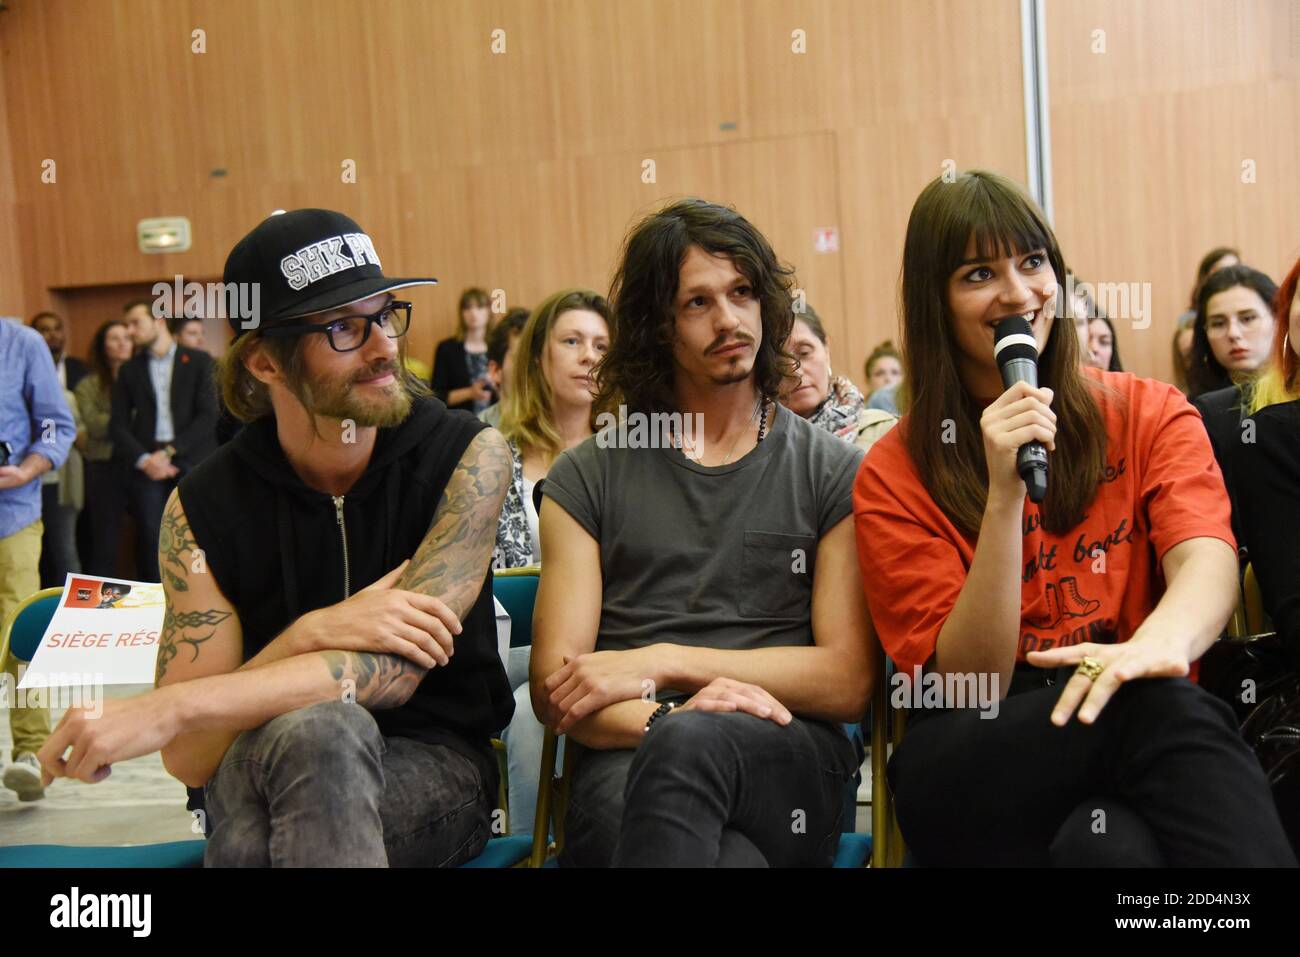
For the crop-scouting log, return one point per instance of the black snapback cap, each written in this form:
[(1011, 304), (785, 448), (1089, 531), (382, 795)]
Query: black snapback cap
[(305, 261)]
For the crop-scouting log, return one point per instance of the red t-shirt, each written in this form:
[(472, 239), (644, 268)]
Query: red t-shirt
[(1097, 582)]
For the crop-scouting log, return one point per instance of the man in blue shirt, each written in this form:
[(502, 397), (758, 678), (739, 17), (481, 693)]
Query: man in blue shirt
[(36, 429)]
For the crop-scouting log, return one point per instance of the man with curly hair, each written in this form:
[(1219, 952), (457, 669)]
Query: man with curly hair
[(701, 631)]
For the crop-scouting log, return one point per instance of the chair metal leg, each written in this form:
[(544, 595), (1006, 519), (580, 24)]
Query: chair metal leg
[(542, 820)]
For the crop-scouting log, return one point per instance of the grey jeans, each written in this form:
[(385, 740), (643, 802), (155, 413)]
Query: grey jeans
[(322, 787)]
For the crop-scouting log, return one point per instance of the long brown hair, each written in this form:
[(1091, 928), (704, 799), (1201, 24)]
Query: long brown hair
[(100, 367), (639, 369), (1002, 220)]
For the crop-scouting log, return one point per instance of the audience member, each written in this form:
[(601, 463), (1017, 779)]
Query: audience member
[(1267, 471), (106, 477), (460, 376), (700, 632), (828, 401), (500, 352), (163, 422), (71, 370), (326, 726), (883, 368), (548, 408), (1233, 329), (188, 332), (61, 487), (36, 431), (1098, 599), (1233, 338)]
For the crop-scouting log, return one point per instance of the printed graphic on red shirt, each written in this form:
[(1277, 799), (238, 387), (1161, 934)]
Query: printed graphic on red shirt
[(1095, 582)]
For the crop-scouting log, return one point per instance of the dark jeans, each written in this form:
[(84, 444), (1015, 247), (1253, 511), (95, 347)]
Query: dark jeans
[(105, 502), (147, 499), (707, 789), (58, 540), (321, 787), (1161, 778)]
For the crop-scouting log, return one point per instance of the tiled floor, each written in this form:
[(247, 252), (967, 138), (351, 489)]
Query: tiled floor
[(139, 803)]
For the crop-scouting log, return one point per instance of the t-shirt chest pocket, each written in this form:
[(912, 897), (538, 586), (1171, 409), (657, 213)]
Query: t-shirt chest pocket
[(776, 572)]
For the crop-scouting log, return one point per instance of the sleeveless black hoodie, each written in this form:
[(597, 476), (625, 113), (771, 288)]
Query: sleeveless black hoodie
[(279, 549)]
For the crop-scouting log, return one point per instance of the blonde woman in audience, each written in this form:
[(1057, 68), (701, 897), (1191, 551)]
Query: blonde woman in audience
[(828, 401), (548, 407)]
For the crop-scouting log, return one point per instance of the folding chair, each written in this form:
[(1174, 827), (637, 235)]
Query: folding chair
[(887, 849)]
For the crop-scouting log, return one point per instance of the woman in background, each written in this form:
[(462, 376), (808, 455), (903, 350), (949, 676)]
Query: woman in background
[(1231, 344), (828, 401), (460, 376), (105, 480), (548, 407)]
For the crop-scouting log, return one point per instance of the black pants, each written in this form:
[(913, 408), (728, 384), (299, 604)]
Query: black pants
[(58, 539), (1162, 778), (707, 789), (105, 502), (148, 499)]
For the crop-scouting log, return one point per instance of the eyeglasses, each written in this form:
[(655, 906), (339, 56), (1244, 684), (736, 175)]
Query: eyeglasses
[(349, 333)]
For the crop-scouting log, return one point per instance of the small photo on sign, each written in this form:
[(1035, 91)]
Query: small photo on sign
[(96, 593)]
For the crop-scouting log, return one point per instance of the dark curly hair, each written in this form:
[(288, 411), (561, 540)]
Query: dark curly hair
[(638, 369)]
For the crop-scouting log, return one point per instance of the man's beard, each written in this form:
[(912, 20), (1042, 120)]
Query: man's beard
[(342, 399)]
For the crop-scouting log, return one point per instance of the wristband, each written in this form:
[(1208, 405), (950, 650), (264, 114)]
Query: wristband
[(658, 713)]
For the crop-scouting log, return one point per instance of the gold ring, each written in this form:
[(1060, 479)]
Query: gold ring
[(1090, 667)]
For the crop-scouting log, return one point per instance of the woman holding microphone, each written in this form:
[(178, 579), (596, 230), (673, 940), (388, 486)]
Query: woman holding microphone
[(1085, 613)]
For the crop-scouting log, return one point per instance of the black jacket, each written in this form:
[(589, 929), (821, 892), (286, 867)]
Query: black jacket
[(74, 370), (193, 404), (451, 372), (277, 550), (1222, 413), (1268, 476)]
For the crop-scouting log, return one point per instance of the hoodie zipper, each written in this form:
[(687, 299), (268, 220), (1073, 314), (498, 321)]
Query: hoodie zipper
[(343, 534)]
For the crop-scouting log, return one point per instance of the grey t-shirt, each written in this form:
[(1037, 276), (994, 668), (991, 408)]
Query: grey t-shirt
[(713, 557)]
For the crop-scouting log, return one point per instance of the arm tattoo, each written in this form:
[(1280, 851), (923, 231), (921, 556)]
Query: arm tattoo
[(379, 680), (174, 632), (175, 538), (453, 558)]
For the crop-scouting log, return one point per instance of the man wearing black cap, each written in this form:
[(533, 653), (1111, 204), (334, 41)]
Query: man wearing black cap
[(327, 723)]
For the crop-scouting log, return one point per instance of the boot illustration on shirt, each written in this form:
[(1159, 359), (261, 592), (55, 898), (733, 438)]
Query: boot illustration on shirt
[(1064, 601)]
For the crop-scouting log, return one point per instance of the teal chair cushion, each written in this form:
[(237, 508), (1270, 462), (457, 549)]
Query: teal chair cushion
[(853, 851), (30, 627), (517, 593), (173, 854), (503, 851)]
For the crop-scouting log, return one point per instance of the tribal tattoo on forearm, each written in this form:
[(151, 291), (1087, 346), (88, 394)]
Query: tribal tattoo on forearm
[(174, 633), (453, 558)]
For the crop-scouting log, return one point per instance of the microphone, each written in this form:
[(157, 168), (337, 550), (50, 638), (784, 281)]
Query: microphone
[(1016, 354)]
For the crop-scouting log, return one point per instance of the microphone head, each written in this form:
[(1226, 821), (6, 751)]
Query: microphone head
[(1014, 339)]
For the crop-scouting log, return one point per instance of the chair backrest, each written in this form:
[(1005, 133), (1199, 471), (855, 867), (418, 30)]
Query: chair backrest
[(516, 589), (25, 627)]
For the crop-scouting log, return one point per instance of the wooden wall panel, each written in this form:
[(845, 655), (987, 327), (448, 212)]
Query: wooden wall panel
[(519, 170), (1149, 138)]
